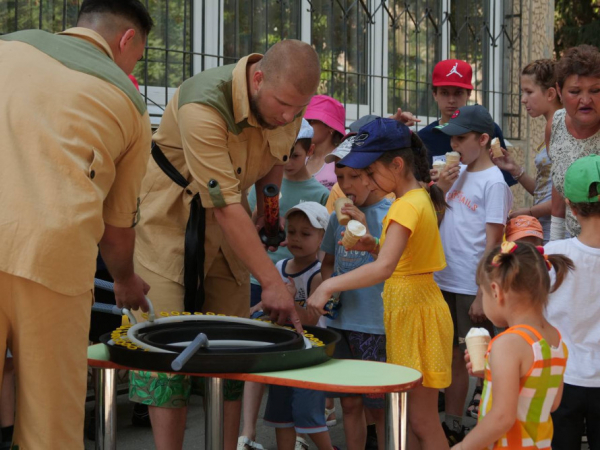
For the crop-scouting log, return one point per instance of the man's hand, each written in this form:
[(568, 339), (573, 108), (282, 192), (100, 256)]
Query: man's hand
[(278, 303), (476, 311), (131, 293), (407, 118)]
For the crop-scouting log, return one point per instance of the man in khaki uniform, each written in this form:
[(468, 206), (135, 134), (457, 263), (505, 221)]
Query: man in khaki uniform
[(224, 130), (74, 148)]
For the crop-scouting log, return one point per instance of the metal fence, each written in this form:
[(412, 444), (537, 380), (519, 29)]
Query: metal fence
[(376, 55)]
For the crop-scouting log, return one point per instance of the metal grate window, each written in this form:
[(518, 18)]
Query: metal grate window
[(376, 55)]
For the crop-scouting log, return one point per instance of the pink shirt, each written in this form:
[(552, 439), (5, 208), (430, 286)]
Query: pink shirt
[(326, 175)]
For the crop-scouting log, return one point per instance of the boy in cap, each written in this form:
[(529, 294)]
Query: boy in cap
[(574, 308), (479, 201), (297, 186), (452, 88), (294, 410), (360, 319)]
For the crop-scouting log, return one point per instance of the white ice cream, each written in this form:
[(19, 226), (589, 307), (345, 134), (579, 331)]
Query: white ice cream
[(356, 228), (495, 142), (437, 165), (477, 332)]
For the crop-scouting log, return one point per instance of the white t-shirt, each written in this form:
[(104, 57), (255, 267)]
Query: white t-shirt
[(574, 309), (475, 199)]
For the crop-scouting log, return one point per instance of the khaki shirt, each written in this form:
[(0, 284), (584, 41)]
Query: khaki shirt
[(74, 149), (208, 133)]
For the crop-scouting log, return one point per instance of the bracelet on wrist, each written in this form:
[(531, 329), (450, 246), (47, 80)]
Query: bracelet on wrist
[(376, 248), (520, 174)]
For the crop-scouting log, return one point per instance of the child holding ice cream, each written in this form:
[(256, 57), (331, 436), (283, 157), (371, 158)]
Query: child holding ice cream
[(417, 320), (525, 364)]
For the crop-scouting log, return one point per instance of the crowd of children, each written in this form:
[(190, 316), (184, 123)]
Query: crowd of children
[(446, 252)]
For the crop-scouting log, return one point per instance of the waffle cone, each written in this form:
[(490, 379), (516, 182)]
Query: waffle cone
[(477, 347)]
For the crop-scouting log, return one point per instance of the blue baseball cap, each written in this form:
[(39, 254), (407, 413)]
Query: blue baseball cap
[(374, 139)]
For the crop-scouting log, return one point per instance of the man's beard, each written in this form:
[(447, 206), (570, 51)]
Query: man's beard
[(254, 99)]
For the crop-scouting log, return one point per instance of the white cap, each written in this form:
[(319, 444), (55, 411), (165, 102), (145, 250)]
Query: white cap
[(341, 150), (306, 131), (317, 214)]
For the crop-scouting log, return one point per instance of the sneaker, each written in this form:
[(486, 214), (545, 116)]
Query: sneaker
[(140, 417), (245, 443), (453, 437), (301, 444), (330, 419)]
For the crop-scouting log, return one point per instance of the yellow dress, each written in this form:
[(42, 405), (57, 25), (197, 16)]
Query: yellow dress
[(417, 320)]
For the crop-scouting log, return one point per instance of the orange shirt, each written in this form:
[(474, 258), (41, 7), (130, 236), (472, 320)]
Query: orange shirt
[(74, 149)]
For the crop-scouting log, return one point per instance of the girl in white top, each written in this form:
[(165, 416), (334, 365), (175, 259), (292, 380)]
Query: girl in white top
[(539, 96)]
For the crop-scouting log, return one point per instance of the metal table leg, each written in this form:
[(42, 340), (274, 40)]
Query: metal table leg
[(404, 421), (106, 408), (396, 421), (213, 422), (392, 420)]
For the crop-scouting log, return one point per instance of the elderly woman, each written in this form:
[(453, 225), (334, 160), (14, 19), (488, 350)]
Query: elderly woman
[(575, 129)]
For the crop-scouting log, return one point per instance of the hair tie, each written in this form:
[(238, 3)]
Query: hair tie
[(505, 249), (431, 183), (546, 259)]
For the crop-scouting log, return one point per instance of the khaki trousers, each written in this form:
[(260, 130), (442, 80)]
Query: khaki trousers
[(47, 333)]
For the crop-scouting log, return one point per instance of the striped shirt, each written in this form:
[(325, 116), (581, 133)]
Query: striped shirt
[(533, 428)]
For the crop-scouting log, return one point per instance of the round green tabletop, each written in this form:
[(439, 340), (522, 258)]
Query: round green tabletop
[(335, 375)]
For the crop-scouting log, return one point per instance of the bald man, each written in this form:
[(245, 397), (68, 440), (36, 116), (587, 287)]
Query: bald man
[(224, 130), (75, 139)]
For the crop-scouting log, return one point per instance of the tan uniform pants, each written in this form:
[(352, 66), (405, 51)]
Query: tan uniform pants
[(223, 294), (47, 334)]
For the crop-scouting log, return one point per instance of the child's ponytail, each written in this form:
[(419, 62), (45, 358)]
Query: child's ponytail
[(421, 163), (522, 267), (561, 265)]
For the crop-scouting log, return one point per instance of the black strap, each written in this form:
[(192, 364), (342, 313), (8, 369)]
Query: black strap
[(193, 261)]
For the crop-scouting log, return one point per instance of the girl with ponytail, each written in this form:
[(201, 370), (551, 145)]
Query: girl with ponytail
[(527, 361), (417, 320)]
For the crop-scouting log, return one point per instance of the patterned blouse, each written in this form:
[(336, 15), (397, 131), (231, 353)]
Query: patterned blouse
[(533, 428), (565, 150)]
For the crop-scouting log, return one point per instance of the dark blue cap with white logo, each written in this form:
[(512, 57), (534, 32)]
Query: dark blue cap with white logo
[(374, 139)]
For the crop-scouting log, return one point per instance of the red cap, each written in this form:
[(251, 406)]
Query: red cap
[(453, 72), (134, 81)]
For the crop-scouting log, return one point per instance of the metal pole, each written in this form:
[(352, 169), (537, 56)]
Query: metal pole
[(214, 414), (404, 421), (392, 421), (106, 408)]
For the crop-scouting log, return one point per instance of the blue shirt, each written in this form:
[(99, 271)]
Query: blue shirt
[(362, 309), (438, 144)]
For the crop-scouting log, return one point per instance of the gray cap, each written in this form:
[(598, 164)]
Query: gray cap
[(356, 125), (466, 119), (317, 214)]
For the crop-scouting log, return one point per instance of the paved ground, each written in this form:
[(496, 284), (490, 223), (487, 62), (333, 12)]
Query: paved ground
[(132, 438)]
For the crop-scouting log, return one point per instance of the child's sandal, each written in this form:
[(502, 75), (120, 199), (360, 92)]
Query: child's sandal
[(473, 408)]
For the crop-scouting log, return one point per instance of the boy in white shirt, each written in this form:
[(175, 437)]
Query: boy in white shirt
[(479, 201), (574, 308)]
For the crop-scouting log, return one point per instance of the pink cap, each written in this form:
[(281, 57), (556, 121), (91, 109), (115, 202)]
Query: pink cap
[(327, 110)]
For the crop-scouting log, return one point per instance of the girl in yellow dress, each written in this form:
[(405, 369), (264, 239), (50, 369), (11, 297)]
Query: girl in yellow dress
[(417, 319)]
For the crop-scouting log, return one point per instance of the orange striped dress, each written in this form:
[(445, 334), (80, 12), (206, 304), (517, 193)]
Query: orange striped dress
[(533, 428)]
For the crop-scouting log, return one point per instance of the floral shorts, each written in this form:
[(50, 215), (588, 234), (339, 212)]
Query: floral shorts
[(174, 391)]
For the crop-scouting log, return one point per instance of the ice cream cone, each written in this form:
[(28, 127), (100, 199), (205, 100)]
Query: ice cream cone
[(496, 149), (452, 157), (477, 347), (439, 166), (343, 219), (354, 231)]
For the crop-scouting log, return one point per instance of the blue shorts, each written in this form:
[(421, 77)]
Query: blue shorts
[(289, 407), (255, 294), (365, 347)]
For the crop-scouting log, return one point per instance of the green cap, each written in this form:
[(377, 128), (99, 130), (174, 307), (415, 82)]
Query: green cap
[(580, 176)]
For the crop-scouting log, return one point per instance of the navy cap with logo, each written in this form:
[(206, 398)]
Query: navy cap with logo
[(374, 139), (466, 119)]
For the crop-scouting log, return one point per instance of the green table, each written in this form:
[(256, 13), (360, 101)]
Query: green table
[(335, 375)]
